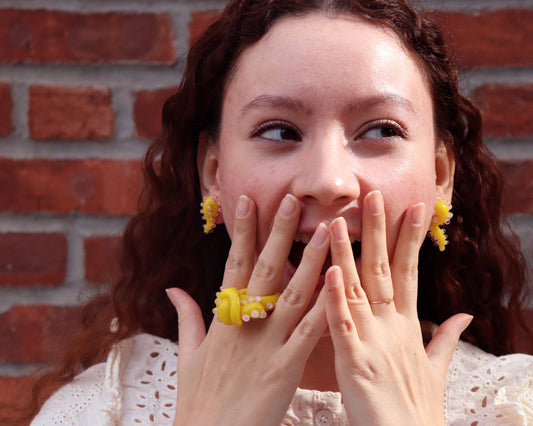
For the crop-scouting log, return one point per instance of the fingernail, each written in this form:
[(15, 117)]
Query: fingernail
[(243, 207), (320, 236), (417, 214), (338, 227), (288, 206), (375, 202)]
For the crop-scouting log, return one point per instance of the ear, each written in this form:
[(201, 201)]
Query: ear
[(207, 165), (444, 170)]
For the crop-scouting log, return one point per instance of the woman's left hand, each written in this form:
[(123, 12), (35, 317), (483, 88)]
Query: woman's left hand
[(385, 374)]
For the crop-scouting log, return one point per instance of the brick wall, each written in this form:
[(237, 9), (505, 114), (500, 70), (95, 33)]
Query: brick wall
[(81, 86)]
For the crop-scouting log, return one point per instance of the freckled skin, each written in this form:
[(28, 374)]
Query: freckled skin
[(345, 77)]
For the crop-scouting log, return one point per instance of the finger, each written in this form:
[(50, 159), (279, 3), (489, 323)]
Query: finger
[(190, 325), (342, 328), (268, 269), (441, 348), (405, 260), (375, 268), (309, 330), (295, 299), (240, 260), (342, 256)]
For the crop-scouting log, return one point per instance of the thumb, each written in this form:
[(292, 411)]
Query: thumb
[(191, 327), (442, 346)]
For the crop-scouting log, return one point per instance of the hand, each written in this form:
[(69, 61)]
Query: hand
[(248, 374), (384, 373)]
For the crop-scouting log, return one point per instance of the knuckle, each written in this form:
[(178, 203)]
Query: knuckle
[(292, 297), (308, 329), (234, 263), (380, 269), (264, 270), (409, 271), (343, 328)]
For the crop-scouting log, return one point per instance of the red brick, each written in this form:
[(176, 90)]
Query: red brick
[(507, 109), (101, 259), (32, 259), (199, 23), (147, 111), (518, 190), (74, 113), (36, 333), (12, 388), (6, 110), (60, 186), (490, 38), (47, 36)]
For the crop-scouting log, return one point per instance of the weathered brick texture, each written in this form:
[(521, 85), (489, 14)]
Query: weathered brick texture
[(36, 333), (494, 38), (518, 192), (32, 259), (6, 110), (102, 187), (101, 259), (70, 113), (48, 36), (147, 111), (507, 109)]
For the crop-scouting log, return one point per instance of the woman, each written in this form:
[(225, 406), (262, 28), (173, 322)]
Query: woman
[(327, 131)]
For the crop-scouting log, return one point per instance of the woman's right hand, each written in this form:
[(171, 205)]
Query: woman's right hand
[(249, 374)]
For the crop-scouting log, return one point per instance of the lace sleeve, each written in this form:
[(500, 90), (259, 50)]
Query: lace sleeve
[(483, 389), (77, 402)]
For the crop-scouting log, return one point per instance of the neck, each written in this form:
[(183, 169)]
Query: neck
[(319, 371)]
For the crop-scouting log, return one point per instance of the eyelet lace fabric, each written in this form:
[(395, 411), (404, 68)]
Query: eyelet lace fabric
[(137, 385)]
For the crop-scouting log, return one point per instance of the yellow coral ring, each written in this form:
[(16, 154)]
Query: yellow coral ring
[(233, 307)]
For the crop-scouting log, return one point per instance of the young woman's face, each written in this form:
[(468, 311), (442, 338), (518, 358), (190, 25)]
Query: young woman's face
[(327, 109)]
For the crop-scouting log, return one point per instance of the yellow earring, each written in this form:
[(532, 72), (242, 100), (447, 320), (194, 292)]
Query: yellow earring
[(441, 216), (210, 210)]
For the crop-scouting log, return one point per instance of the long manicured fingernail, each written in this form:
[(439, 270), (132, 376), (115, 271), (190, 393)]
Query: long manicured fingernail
[(375, 202), (338, 228), (417, 214), (320, 236), (288, 206), (243, 207)]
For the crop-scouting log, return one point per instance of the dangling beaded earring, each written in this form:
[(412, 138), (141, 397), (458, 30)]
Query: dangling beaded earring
[(210, 210), (441, 216)]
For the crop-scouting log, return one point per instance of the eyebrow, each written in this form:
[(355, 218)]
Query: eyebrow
[(387, 98), (271, 101), (291, 104)]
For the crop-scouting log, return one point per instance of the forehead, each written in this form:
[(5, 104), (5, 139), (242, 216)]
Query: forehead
[(341, 55)]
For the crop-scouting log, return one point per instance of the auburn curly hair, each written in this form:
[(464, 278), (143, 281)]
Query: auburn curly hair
[(482, 271)]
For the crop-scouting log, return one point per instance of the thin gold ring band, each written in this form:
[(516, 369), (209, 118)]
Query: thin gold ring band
[(380, 302)]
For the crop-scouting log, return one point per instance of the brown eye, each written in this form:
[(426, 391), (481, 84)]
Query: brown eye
[(381, 130), (277, 131)]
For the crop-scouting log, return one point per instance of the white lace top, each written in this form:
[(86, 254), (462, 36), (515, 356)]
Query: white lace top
[(137, 385)]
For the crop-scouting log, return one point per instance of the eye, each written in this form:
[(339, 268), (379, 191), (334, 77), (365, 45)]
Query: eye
[(277, 131), (383, 129)]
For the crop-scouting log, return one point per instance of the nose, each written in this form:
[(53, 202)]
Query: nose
[(327, 174)]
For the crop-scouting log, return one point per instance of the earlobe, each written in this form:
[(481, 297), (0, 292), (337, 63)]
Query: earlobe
[(444, 170)]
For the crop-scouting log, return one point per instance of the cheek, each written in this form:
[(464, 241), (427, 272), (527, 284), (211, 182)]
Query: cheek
[(258, 185), (404, 189)]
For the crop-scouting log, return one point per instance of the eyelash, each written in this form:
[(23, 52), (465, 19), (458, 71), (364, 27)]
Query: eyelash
[(400, 130), (386, 124), (272, 125)]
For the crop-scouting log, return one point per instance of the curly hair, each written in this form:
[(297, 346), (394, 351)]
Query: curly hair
[(482, 272)]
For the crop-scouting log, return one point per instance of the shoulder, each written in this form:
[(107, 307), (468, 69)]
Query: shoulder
[(489, 389), (137, 383)]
